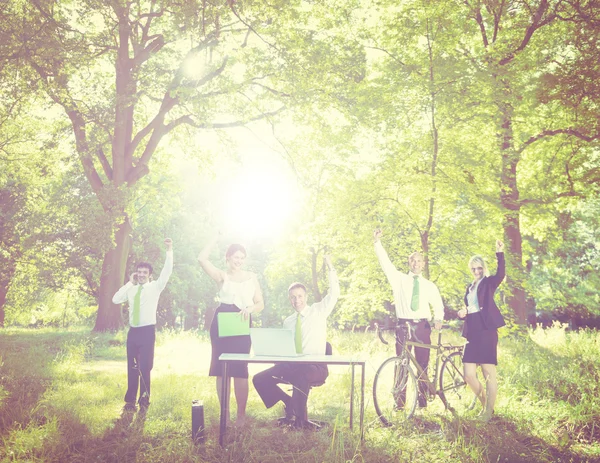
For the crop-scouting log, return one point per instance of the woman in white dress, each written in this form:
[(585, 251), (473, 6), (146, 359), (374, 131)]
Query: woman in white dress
[(239, 291)]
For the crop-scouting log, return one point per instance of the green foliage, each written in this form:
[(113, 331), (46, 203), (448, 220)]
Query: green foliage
[(399, 115)]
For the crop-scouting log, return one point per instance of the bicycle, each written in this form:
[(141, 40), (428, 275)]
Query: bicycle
[(395, 387)]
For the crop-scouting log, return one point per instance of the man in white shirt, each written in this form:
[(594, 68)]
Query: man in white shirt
[(309, 324), (142, 295), (414, 297)]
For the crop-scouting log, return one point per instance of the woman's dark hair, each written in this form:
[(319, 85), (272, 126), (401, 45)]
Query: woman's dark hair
[(233, 248)]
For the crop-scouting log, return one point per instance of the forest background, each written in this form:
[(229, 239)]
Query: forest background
[(296, 128)]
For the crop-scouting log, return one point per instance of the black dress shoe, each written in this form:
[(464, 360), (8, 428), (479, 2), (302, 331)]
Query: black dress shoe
[(144, 402), (285, 421), (306, 425), (129, 407), (288, 419)]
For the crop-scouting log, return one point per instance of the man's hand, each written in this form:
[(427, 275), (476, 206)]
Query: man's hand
[(328, 261), (377, 234), (133, 278), (462, 313), (437, 325), (499, 246), (169, 244)]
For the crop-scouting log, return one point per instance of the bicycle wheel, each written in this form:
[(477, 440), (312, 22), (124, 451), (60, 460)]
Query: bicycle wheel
[(394, 391), (454, 391)]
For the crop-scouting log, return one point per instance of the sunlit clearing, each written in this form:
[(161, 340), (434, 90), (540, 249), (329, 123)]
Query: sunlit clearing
[(259, 199)]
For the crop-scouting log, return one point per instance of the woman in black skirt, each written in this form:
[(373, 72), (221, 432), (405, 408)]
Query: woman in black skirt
[(482, 320), (239, 292)]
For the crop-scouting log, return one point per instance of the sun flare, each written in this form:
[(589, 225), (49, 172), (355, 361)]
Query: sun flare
[(259, 199)]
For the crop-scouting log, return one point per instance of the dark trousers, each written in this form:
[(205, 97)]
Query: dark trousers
[(300, 376), (140, 360), (421, 333)]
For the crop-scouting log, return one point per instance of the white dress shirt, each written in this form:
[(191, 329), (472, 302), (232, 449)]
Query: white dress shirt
[(314, 319), (148, 297), (402, 288)]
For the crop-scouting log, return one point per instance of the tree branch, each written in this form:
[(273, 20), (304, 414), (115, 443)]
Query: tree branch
[(551, 133), (153, 47), (479, 19), (221, 125), (169, 101), (105, 164), (387, 53), (208, 77), (536, 23), (564, 194), (249, 26), (61, 96), (270, 90)]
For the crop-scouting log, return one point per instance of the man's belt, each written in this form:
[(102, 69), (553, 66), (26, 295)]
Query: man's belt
[(412, 320)]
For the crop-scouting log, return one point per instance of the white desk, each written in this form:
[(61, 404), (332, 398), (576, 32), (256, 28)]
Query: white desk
[(327, 359)]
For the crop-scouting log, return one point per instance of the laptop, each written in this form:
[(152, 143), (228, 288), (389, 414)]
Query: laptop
[(273, 342)]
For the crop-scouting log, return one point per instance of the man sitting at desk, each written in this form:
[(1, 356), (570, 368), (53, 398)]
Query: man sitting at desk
[(309, 324)]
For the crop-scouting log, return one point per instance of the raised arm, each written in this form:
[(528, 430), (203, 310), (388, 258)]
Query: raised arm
[(329, 301), (207, 266), (501, 269), (382, 256), (167, 270)]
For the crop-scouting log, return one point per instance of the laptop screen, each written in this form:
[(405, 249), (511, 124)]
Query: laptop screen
[(273, 341)]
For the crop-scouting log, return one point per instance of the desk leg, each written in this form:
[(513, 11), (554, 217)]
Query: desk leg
[(224, 405), (362, 403), (352, 399)]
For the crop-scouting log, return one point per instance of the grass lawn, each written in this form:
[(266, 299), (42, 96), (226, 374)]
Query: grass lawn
[(61, 399)]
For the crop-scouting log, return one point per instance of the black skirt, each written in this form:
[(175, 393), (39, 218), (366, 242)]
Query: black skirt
[(482, 344), (227, 345)]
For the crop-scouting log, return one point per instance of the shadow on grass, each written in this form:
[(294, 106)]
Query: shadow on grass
[(262, 440), (22, 396), (121, 443), (501, 440), (24, 375)]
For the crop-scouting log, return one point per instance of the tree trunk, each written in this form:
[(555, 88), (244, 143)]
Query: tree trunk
[(113, 276), (3, 292), (6, 276), (515, 278), (426, 233), (509, 198)]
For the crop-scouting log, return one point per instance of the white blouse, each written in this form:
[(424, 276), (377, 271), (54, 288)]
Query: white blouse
[(239, 293), (472, 300)]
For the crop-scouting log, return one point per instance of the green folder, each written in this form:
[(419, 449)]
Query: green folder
[(232, 324)]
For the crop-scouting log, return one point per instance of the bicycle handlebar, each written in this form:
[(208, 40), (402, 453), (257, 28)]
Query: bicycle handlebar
[(380, 331)]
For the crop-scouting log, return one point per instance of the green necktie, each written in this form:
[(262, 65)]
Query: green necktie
[(136, 306), (414, 302), (298, 335)]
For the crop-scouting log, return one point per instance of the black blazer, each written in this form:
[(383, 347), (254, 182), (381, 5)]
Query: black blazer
[(490, 314)]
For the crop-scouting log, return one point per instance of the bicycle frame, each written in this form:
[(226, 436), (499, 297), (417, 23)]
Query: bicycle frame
[(448, 380), (440, 354)]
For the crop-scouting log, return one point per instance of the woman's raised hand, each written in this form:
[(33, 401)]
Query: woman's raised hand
[(499, 246)]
